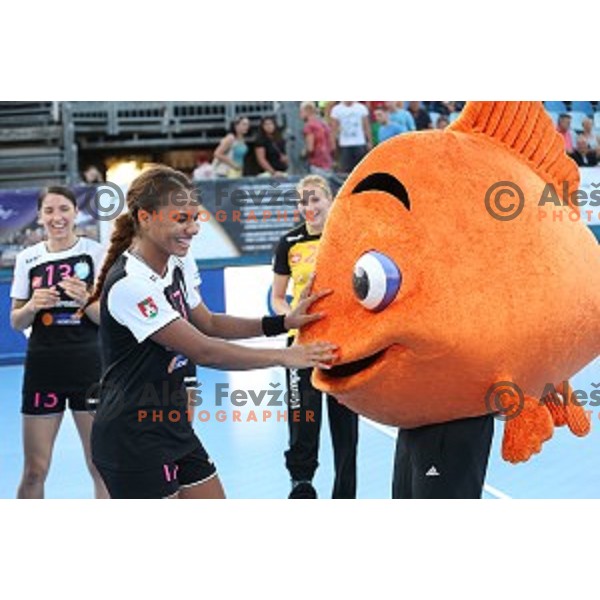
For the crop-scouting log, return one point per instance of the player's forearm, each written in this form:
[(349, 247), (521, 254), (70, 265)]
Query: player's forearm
[(234, 328), (281, 306), (233, 357), (22, 318)]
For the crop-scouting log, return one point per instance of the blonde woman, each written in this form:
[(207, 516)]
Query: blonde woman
[(295, 262)]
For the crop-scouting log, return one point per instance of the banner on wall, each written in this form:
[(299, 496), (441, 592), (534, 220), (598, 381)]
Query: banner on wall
[(239, 218), (247, 217)]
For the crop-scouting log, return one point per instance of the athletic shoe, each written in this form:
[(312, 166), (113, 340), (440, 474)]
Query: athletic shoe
[(302, 490)]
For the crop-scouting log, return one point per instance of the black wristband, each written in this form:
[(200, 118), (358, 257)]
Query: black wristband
[(272, 326)]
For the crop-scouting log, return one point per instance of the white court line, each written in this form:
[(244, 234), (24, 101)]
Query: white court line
[(392, 433)]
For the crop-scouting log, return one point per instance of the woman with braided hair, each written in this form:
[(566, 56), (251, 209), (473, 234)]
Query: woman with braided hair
[(152, 325)]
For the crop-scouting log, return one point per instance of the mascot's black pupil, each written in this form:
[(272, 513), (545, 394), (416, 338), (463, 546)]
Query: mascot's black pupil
[(360, 281)]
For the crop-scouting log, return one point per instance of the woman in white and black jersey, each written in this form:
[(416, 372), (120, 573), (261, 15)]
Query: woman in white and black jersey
[(153, 324), (52, 281)]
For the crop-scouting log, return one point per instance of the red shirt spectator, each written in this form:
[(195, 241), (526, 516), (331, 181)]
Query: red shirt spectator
[(373, 105), (317, 136), (564, 128)]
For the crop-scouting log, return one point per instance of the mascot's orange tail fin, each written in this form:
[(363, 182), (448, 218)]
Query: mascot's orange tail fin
[(556, 407), (565, 410), (526, 431), (526, 130), (577, 419), (532, 423)]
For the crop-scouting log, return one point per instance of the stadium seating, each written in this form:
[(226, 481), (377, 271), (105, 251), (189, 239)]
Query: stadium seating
[(32, 145), (555, 106), (583, 106), (40, 141)]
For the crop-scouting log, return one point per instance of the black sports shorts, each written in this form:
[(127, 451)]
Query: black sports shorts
[(160, 481), (45, 403)]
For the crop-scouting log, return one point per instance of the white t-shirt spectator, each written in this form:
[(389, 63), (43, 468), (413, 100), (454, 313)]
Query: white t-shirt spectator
[(351, 123)]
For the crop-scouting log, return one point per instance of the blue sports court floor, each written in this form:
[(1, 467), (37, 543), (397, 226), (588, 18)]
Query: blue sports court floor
[(249, 455)]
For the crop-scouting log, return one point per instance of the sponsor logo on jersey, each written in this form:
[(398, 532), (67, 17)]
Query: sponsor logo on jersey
[(82, 269), (148, 308), (47, 319), (177, 362), (295, 259), (65, 319), (28, 261)]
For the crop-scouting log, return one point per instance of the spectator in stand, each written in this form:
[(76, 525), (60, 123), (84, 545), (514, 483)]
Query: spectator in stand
[(352, 132), (270, 149), (231, 151), (92, 175), (420, 116), (439, 107), (446, 108), (442, 122), (590, 134), (317, 141), (373, 105), (564, 128), (400, 116), (387, 128), (582, 155)]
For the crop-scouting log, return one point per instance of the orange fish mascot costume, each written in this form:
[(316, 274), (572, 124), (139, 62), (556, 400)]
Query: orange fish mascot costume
[(461, 271)]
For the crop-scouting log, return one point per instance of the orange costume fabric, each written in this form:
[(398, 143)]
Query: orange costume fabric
[(482, 296)]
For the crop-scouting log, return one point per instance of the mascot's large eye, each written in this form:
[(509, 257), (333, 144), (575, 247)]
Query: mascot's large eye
[(376, 280)]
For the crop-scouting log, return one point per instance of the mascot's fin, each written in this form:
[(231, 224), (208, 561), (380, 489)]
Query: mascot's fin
[(526, 130), (577, 419), (526, 430), (556, 407), (565, 410)]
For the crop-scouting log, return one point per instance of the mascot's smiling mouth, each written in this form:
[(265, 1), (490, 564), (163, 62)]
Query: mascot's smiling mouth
[(352, 368)]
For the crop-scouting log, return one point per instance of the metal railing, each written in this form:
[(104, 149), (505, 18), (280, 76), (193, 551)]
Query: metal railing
[(31, 145), (161, 123), (40, 142)]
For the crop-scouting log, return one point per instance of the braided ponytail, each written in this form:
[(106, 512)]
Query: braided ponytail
[(120, 240)]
